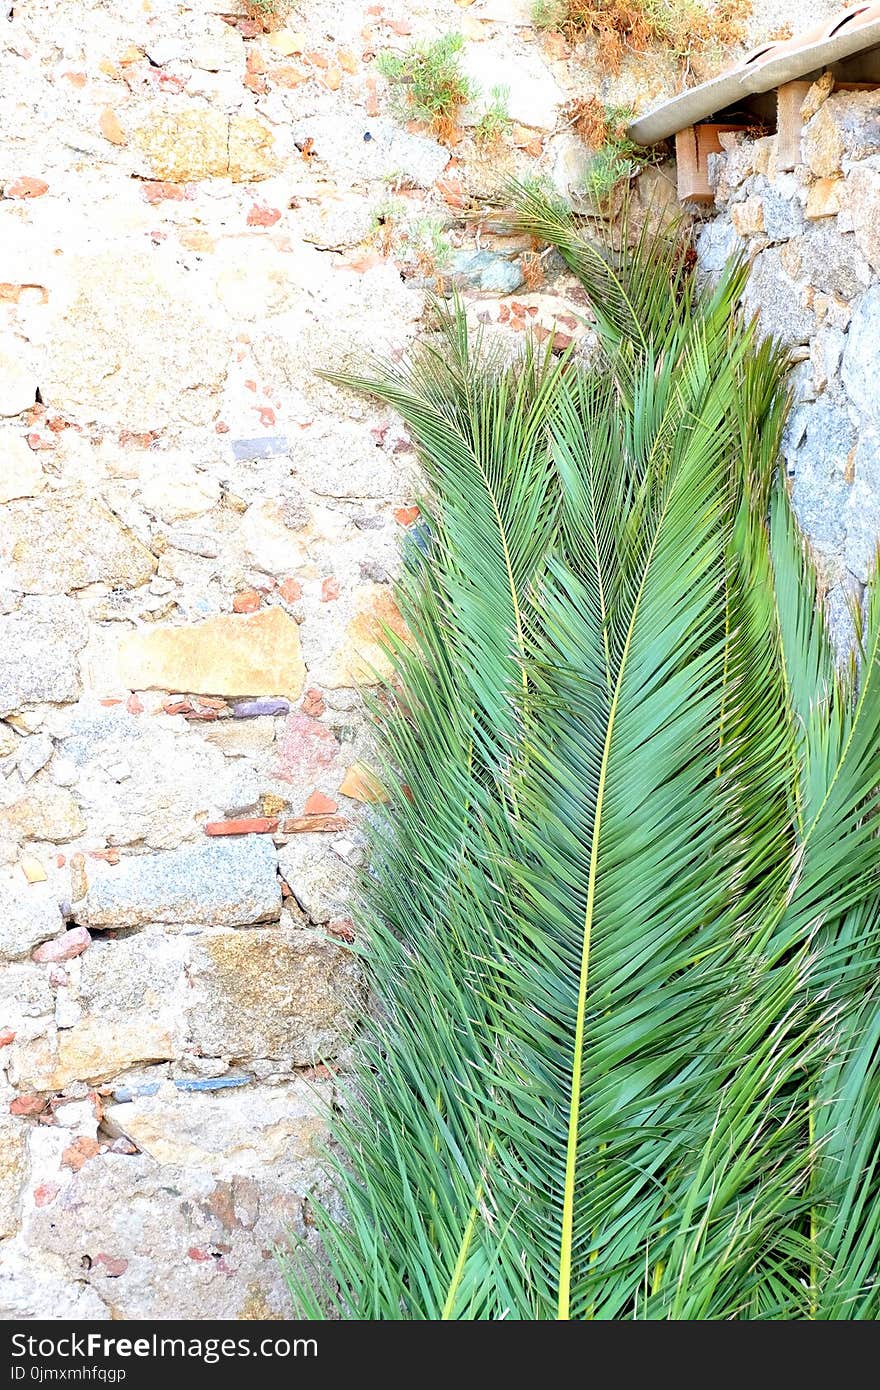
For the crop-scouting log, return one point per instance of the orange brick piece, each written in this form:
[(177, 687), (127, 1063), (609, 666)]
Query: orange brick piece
[(257, 825)]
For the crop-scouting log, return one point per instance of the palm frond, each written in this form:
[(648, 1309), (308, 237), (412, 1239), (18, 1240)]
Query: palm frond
[(622, 918)]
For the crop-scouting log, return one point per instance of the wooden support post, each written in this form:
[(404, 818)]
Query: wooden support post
[(789, 99), (693, 145)]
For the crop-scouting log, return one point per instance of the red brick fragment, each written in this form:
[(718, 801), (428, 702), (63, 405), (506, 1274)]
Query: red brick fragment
[(28, 1105), (77, 1154), (407, 515), (134, 705), (320, 805), (46, 1193), (7, 1035), (329, 590), (256, 825), (313, 703), (177, 707), (259, 215), (290, 590), (246, 601), (113, 1267), (161, 191), (109, 856), (26, 187), (65, 947)]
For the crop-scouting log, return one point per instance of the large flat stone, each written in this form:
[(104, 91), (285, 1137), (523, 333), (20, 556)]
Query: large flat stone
[(276, 993), (138, 343), (861, 359), (187, 1225), (777, 298), (246, 654), (20, 472), (391, 152), (200, 143), (319, 880), (43, 812), (228, 883), (143, 780), (251, 1130), (532, 96), (28, 916), (821, 463), (39, 646), (92, 1050), (363, 658), (13, 1172), (64, 541)]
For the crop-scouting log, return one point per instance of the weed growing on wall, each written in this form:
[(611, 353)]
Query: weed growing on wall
[(427, 82)]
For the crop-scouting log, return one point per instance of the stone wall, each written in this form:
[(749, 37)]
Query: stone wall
[(197, 546), (197, 541), (812, 236)]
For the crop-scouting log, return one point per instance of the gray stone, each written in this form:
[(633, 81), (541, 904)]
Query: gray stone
[(39, 647), (219, 883), (141, 973), (777, 300), (857, 118), (824, 259), (863, 509), (485, 270), (717, 241), (531, 94), (571, 163), (862, 521), (29, 1289), (863, 207), (173, 781), (839, 602), (28, 917), (65, 541), (191, 543), (252, 709), (375, 148), (33, 755), (820, 462), (335, 223), (26, 999), (277, 993), (861, 358), (265, 447), (783, 217), (188, 1224), (320, 882), (826, 351)]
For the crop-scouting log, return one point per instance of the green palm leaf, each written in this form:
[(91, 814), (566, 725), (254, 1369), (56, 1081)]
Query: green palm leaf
[(622, 913)]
